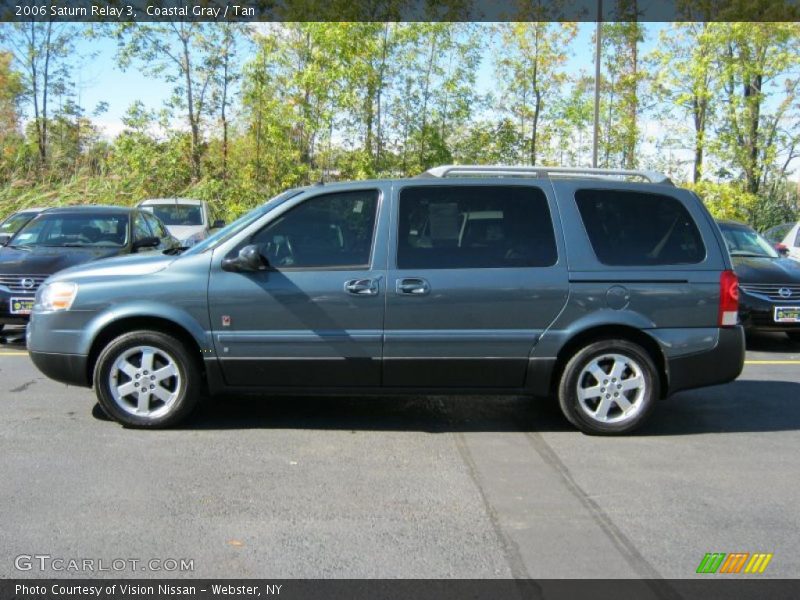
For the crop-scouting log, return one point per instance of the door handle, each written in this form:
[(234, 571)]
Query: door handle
[(413, 286), (362, 287)]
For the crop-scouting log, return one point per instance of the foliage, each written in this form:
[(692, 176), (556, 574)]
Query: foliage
[(256, 111)]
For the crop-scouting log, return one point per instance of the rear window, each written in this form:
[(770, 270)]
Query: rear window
[(639, 229), (471, 227)]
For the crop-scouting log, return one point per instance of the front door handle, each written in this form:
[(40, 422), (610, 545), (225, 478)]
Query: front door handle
[(362, 287), (413, 286)]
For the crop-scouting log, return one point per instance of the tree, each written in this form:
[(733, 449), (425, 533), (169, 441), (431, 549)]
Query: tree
[(42, 53), (529, 64), (685, 79), (182, 53), (759, 74), (620, 88)]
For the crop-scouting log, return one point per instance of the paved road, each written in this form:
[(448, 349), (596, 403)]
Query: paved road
[(418, 487)]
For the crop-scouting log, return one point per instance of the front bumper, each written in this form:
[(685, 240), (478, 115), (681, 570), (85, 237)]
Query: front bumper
[(65, 368), (759, 313), (721, 364)]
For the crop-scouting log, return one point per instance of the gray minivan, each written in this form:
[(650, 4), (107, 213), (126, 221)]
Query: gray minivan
[(578, 283)]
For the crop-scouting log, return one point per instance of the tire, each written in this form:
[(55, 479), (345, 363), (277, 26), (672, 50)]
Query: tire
[(173, 380), (635, 400), (794, 336)]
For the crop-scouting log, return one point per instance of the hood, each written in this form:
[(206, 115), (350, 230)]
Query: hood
[(182, 232), (751, 269), (130, 264), (40, 260)]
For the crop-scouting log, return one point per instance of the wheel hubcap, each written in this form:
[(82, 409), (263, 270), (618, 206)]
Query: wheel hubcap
[(611, 388), (145, 381)]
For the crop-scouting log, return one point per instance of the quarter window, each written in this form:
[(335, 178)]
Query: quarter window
[(639, 229), (329, 231), (467, 227)]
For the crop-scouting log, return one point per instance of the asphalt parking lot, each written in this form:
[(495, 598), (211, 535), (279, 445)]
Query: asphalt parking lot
[(422, 487)]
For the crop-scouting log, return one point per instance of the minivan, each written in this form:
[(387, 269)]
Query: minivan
[(608, 289)]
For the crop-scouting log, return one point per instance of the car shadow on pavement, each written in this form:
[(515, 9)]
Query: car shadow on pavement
[(772, 342), (741, 406)]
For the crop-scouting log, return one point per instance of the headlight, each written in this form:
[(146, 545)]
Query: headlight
[(58, 295)]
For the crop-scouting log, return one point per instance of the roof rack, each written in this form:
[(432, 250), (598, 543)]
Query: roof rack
[(525, 171)]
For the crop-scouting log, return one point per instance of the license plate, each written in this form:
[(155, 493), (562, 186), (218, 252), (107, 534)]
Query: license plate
[(787, 314), (21, 306)]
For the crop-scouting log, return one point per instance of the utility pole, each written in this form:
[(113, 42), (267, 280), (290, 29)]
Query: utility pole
[(598, 42)]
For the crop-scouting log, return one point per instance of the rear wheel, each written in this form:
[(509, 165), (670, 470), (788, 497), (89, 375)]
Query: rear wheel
[(609, 387), (794, 336), (147, 379)]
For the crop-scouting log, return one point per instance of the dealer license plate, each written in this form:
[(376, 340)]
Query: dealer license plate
[(787, 314), (21, 306)]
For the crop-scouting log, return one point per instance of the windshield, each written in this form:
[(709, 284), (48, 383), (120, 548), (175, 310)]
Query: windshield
[(15, 222), (746, 242), (176, 214), (67, 230), (223, 234)]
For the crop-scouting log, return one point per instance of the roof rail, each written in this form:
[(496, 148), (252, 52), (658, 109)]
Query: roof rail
[(525, 171)]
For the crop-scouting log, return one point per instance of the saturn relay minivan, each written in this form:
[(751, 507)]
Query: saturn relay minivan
[(584, 284)]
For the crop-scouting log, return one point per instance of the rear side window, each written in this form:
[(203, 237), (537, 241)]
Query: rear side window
[(639, 229), (467, 227)]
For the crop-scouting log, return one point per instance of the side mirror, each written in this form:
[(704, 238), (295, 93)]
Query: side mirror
[(146, 242), (781, 249), (218, 224), (5, 238), (249, 260)]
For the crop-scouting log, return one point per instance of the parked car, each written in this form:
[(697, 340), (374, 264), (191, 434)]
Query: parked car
[(769, 284), (608, 293), (187, 219), (775, 236), (791, 242), (62, 237), (15, 222)]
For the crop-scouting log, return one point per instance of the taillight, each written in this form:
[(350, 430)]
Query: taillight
[(728, 299)]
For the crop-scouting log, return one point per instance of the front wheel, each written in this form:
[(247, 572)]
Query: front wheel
[(609, 387), (147, 379)]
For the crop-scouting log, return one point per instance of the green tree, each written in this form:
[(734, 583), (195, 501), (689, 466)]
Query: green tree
[(684, 66), (42, 53), (759, 73), (185, 54), (530, 65)]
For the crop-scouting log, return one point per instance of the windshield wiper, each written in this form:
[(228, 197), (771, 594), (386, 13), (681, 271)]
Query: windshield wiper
[(753, 254), (176, 250), (71, 245)]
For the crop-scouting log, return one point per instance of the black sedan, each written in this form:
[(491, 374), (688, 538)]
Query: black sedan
[(63, 237), (769, 284)]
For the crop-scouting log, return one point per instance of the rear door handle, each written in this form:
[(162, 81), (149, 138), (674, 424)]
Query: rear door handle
[(413, 286), (362, 287)]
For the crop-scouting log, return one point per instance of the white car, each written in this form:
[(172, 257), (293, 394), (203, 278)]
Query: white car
[(792, 242), (186, 218)]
